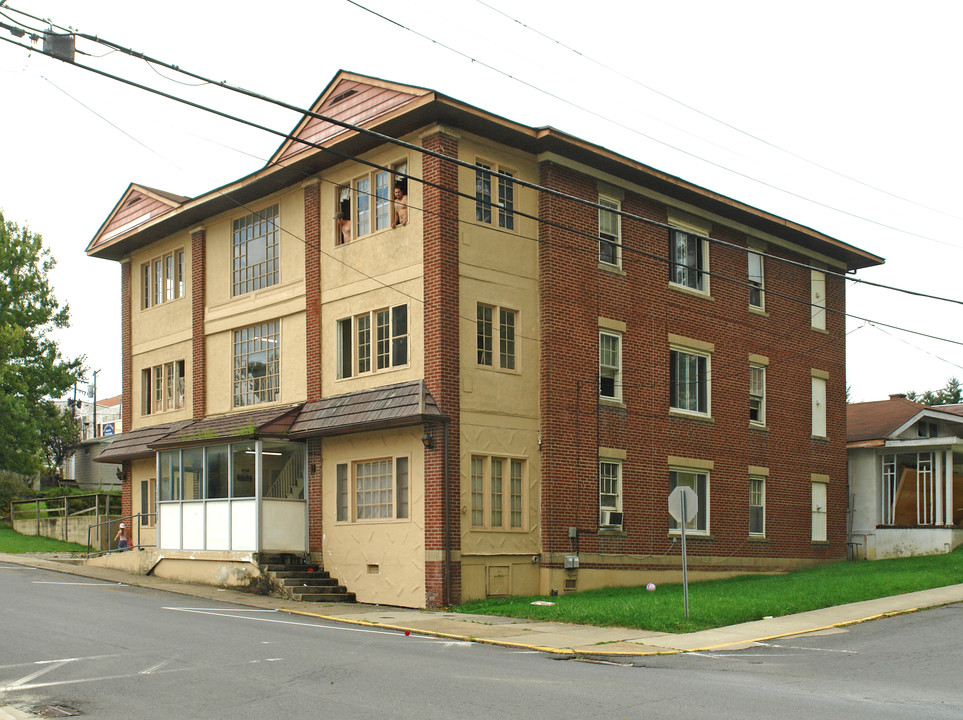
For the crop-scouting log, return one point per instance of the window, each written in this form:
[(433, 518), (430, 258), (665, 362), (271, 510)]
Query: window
[(698, 480), (373, 341), (497, 493), (756, 292), (255, 248), (610, 366), (819, 512), (910, 489), (757, 394), (757, 506), (819, 407), (818, 287), (688, 260), (376, 490), (486, 331), (610, 491), (483, 194), (926, 429), (610, 232), (366, 204), (162, 388), (689, 381), (163, 279), (257, 364), (148, 502)]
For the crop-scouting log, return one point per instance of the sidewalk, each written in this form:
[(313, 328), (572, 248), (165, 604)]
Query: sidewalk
[(557, 638)]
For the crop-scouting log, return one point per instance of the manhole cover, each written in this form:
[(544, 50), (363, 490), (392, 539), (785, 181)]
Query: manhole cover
[(56, 711)]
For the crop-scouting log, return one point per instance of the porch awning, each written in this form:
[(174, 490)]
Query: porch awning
[(134, 445), (273, 422), (389, 406)]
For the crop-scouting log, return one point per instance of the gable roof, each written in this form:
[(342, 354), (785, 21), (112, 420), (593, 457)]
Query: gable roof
[(138, 205), (877, 420), (394, 110)]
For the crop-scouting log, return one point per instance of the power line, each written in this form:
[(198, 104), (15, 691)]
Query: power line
[(455, 192), (712, 117), (746, 176)]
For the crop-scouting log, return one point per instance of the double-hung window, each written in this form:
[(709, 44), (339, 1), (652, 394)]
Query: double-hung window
[(373, 341), (610, 231), (757, 297), (496, 322), (257, 364), (503, 202), (162, 388), (366, 204), (255, 250), (497, 493), (757, 506), (610, 366), (163, 279), (610, 492), (372, 490), (698, 480), (688, 260), (689, 381), (757, 394)]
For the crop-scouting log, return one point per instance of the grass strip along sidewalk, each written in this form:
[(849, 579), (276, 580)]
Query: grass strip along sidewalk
[(13, 543), (716, 603)]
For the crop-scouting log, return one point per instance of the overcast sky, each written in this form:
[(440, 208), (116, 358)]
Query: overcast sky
[(869, 90)]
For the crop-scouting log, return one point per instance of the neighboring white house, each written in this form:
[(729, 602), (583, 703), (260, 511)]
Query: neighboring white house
[(80, 467), (905, 478)]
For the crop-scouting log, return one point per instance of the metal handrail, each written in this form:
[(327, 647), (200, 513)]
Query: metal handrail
[(63, 509), (139, 517)]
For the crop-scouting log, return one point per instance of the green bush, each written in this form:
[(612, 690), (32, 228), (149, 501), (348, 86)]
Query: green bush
[(12, 488)]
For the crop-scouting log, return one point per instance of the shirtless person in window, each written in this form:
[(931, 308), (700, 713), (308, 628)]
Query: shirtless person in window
[(344, 227), (401, 208)]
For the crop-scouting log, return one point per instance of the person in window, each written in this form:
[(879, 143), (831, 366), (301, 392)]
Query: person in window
[(121, 538), (344, 227), (401, 207)]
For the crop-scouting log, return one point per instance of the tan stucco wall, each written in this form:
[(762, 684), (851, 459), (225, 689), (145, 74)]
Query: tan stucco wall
[(142, 470), (396, 547), (393, 274)]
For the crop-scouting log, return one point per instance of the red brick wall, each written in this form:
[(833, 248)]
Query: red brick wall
[(199, 340), (315, 526), (574, 293), (312, 287), (441, 363)]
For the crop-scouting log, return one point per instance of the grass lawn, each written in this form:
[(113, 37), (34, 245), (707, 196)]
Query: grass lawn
[(14, 542), (715, 603)]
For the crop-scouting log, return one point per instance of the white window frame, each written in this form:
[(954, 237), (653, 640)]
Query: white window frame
[(162, 279), (608, 370), (368, 200), (819, 427), (691, 479), (163, 388), (495, 337), (497, 493), (267, 387), (610, 471), (819, 511), (757, 394), (265, 228), (675, 394), (757, 280), (684, 271), (817, 283), (368, 349), (757, 493), (503, 198), (610, 231)]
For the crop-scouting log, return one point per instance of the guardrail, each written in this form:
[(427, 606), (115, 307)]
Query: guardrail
[(129, 521)]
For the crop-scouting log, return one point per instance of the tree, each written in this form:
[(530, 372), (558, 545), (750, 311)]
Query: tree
[(32, 369), (949, 394), (60, 433)]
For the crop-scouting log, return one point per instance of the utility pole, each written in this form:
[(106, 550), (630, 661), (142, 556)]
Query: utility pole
[(95, 403)]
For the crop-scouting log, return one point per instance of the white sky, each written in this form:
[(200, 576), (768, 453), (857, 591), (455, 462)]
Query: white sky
[(869, 89)]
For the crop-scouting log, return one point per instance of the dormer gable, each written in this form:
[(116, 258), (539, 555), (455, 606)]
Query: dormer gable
[(139, 204)]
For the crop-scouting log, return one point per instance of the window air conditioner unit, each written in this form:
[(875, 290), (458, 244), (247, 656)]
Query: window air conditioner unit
[(611, 518)]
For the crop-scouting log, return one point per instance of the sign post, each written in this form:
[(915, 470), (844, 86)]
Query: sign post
[(683, 506)]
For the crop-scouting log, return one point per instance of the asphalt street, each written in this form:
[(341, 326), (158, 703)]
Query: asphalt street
[(108, 650)]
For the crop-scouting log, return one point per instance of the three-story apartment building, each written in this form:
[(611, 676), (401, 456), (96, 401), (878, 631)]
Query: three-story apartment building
[(446, 354)]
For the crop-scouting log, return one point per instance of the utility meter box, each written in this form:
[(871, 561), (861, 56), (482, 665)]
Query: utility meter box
[(570, 562)]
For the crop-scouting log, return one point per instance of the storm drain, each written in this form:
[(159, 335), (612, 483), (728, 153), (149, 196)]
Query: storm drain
[(55, 711)]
